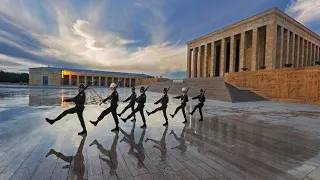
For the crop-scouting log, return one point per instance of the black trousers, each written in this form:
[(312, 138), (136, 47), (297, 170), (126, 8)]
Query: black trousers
[(127, 107), (111, 109), (163, 109), (200, 105), (182, 107), (76, 109), (140, 109)]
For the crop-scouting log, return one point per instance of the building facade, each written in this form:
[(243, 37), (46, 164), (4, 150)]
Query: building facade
[(49, 76), (269, 40)]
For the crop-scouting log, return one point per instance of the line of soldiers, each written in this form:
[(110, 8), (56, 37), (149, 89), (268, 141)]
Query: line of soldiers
[(79, 101)]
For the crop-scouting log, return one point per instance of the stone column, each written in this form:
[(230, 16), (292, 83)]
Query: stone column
[(205, 60), (213, 60), (307, 54), (271, 45), (85, 79), (288, 47), (318, 54), (99, 81), (232, 54), (254, 49), (70, 79), (293, 50), (302, 54), (78, 80), (314, 54), (298, 52), (242, 50), (194, 64), (281, 48), (189, 62), (199, 62), (222, 57)]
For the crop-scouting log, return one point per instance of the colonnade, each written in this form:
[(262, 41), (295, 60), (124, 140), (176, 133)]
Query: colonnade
[(269, 46)]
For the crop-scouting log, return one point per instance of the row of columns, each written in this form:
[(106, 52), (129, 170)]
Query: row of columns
[(127, 82), (269, 46), (295, 49)]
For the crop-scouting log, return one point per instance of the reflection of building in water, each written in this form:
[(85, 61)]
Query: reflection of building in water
[(49, 76), (44, 98)]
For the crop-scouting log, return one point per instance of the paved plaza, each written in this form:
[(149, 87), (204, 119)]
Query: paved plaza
[(258, 140)]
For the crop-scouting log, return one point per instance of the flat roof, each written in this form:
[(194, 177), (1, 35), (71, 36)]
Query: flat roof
[(274, 10), (93, 71)]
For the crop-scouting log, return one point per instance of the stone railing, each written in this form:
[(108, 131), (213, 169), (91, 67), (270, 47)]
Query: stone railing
[(291, 84)]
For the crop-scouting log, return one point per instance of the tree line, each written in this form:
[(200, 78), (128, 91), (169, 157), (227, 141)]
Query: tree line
[(13, 77)]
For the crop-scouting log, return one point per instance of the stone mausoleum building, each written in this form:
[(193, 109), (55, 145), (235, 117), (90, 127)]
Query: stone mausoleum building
[(269, 40), (51, 76)]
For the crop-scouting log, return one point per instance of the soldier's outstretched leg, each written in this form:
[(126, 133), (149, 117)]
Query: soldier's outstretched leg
[(64, 113), (154, 111), (102, 115), (124, 110), (194, 109), (177, 110), (143, 119), (131, 114)]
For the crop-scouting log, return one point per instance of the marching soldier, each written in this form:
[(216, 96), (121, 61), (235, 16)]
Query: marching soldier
[(141, 100), (131, 104), (184, 100), (79, 100), (201, 99), (114, 98), (164, 104)]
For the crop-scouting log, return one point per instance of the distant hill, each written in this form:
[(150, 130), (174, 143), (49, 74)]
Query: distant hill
[(13, 77), (176, 75)]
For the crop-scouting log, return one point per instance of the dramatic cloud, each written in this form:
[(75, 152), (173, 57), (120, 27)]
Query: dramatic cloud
[(61, 34), (304, 11)]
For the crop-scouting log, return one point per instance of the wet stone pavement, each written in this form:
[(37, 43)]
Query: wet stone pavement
[(261, 140)]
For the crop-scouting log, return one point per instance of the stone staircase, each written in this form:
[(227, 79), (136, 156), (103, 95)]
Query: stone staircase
[(217, 89)]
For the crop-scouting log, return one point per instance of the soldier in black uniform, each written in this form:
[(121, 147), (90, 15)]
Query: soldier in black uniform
[(79, 100), (184, 100), (201, 99), (140, 100), (131, 104), (114, 98), (164, 104)]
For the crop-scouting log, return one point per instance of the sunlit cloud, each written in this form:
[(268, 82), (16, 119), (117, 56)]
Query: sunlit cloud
[(304, 11), (81, 38)]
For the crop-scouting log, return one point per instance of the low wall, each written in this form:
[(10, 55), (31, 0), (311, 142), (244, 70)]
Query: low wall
[(291, 85), (151, 81)]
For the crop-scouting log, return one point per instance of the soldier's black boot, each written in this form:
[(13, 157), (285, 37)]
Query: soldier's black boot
[(94, 123), (115, 129), (50, 121)]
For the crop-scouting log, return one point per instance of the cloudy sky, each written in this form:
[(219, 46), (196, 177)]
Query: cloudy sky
[(146, 36)]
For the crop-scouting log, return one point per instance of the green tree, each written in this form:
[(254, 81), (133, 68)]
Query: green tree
[(13, 77)]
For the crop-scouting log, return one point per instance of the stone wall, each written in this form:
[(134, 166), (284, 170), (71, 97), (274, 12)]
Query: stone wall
[(35, 77), (291, 85)]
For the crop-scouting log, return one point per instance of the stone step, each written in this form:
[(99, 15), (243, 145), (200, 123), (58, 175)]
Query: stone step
[(217, 89)]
